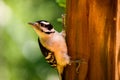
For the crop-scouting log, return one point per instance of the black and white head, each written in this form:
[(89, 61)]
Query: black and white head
[(43, 27)]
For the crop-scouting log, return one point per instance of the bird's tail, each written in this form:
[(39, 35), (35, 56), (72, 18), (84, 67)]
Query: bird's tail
[(60, 71)]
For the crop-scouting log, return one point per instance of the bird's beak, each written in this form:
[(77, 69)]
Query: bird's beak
[(34, 25), (30, 23)]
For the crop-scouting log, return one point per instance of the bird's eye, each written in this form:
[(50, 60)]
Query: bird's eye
[(49, 26), (42, 24)]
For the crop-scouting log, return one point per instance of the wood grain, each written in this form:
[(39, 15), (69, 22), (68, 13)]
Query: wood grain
[(117, 56), (92, 36)]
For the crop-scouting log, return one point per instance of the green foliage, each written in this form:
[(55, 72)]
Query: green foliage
[(61, 3), (20, 56)]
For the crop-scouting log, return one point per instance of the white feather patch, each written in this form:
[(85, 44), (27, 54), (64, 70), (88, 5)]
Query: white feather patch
[(45, 22)]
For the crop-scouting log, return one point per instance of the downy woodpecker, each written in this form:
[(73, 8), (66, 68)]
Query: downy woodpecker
[(52, 45)]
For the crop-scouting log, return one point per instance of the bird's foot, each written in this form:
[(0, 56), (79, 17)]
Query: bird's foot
[(77, 62)]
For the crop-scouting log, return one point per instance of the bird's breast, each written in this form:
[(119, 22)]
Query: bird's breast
[(56, 42)]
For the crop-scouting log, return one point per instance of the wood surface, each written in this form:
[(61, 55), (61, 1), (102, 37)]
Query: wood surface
[(93, 36)]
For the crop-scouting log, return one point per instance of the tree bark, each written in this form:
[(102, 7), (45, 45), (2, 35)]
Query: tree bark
[(92, 37), (117, 56)]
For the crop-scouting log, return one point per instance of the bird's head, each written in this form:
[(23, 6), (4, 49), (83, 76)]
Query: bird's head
[(42, 28)]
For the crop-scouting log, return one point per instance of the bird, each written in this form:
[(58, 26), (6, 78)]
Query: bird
[(52, 44)]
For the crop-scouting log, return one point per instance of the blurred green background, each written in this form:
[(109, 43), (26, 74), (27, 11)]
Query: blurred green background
[(20, 56)]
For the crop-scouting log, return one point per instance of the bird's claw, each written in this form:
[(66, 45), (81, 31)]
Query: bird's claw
[(78, 62)]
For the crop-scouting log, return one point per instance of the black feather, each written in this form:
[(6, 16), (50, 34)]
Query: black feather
[(49, 55), (48, 26)]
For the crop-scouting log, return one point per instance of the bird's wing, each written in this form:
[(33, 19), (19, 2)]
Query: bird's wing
[(49, 55)]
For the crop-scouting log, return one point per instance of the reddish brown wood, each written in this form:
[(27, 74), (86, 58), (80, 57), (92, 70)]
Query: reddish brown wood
[(102, 25), (91, 36), (117, 56), (77, 38)]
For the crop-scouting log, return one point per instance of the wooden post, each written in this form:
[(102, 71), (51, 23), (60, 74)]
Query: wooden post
[(77, 38), (117, 56), (91, 38)]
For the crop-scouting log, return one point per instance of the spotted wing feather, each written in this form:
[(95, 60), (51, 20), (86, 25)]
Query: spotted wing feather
[(49, 56)]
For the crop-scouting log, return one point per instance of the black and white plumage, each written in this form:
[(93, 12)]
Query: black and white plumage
[(49, 56), (52, 45)]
